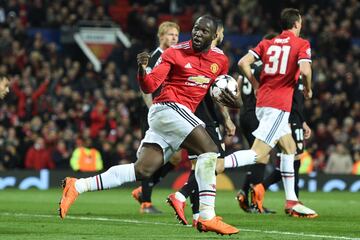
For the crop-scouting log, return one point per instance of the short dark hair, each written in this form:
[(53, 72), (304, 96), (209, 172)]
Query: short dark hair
[(288, 18), (212, 19), (270, 36)]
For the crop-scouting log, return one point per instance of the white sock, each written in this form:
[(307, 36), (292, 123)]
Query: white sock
[(179, 196), (206, 179), (196, 216), (240, 158), (113, 177), (288, 176)]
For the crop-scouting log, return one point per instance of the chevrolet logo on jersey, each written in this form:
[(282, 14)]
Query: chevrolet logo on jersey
[(199, 79)]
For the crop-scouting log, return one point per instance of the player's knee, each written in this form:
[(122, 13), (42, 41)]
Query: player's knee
[(211, 147), (290, 149), (142, 172)]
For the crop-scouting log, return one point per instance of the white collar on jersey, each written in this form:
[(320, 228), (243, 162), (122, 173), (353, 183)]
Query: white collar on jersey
[(159, 49)]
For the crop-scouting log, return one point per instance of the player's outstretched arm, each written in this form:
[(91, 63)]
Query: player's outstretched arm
[(305, 71), (244, 65), (230, 127)]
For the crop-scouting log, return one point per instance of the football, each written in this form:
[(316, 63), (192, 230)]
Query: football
[(221, 83)]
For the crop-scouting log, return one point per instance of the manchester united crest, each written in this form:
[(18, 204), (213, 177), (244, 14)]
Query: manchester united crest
[(214, 68)]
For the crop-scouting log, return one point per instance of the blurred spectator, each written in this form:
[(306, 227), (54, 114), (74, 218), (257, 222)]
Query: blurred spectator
[(61, 155), (339, 161), (28, 99), (86, 159), (97, 119), (104, 107), (9, 158), (39, 156)]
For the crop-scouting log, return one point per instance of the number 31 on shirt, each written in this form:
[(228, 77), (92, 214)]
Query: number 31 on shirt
[(274, 53)]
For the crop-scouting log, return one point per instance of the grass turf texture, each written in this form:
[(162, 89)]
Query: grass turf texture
[(113, 214)]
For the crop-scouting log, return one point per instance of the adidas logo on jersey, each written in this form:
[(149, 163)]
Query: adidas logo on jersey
[(188, 65)]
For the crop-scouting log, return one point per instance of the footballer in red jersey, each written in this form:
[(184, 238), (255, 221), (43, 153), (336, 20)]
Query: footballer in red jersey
[(284, 57), (186, 71)]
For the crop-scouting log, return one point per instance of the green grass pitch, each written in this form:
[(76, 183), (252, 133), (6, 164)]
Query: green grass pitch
[(113, 214)]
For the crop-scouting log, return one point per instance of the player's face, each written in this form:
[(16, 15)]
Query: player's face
[(298, 26), (219, 35), (202, 34), (4, 87), (171, 37)]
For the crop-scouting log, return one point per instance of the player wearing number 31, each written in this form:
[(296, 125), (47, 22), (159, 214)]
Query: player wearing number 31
[(284, 58)]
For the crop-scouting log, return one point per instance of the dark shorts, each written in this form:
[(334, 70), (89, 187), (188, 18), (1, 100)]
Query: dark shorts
[(297, 133), (249, 123), (144, 120), (214, 132)]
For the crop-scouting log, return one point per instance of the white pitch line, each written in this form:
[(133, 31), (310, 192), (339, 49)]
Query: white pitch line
[(175, 225)]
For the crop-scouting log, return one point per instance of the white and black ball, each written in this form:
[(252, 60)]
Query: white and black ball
[(221, 83)]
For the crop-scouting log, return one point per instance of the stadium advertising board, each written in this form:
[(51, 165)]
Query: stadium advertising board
[(46, 179)]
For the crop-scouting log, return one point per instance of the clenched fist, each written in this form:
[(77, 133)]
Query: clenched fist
[(143, 59)]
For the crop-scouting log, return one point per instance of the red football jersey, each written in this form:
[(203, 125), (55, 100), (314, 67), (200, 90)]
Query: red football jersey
[(280, 56), (186, 75)]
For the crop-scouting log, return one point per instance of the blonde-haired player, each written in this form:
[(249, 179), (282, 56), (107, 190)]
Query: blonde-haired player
[(168, 35)]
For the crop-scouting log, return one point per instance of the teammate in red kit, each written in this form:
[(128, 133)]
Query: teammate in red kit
[(186, 71), (284, 58)]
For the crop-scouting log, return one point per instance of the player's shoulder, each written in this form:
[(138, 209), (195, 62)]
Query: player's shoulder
[(182, 45), (157, 52), (304, 41), (218, 53), (300, 41), (217, 50)]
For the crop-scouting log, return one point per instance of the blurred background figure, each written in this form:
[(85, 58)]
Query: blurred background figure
[(39, 156), (339, 161)]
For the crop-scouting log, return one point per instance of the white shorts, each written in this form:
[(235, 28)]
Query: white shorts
[(169, 124), (273, 124)]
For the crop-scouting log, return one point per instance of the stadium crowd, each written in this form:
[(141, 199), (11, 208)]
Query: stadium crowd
[(58, 103)]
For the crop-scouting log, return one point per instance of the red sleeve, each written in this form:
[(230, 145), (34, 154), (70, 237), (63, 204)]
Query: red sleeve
[(16, 89), (258, 51), (157, 76), (304, 52)]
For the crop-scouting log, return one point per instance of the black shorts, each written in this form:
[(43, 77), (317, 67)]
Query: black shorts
[(297, 133), (249, 123), (144, 120), (214, 132)]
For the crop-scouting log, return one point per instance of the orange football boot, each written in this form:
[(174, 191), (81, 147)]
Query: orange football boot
[(216, 225), (178, 207), (68, 197), (242, 200), (136, 194), (257, 196)]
